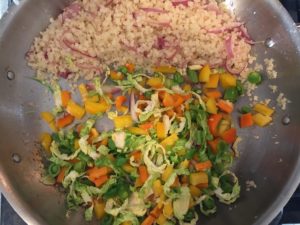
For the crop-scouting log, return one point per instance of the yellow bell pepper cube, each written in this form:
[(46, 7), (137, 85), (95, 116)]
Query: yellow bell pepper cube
[(195, 191), (99, 207), (263, 109), (167, 173), (94, 98), (213, 81), (155, 82), (75, 110), (95, 108), (168, 209), (187, 87), (76, 144), (204, 74), (46, 141), (47, 117), (128, 168), (261, 120), (160, 130), (122, 122), (169, 141), (211, 106), (164, 69), (184, 164), (137, 131), (157, 188), (198, 178), (161, 220), (227, 80), (181, 152), (83, 92)]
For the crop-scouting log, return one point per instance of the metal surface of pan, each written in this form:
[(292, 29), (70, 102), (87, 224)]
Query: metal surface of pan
[(272, 161)]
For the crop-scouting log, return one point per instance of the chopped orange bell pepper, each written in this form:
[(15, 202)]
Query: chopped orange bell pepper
[(246, 120), (229, 136), (213, 122), (64, 121), (65, 97)]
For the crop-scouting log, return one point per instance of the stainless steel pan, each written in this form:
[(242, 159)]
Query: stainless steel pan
[(274, 167)]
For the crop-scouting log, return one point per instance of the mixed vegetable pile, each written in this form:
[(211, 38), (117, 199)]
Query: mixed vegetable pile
[(169, 149)]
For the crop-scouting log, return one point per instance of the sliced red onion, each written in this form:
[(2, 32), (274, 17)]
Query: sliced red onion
[(71, 46), (108, 3), (90, 86), (64, 74), (229, 47), (229, 65), (131, 48), (246, 35), (109, 89), (160, 43), (222, 30), (176, 50), (180, 2), (132, 108), (161, 24), (154, 10), (213, 8), (71, 11), (46, 55)]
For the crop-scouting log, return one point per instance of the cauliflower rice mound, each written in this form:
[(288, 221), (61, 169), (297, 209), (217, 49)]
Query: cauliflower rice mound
[(92, 34)]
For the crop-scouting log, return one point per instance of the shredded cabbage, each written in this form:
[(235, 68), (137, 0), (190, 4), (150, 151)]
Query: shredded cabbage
[(55, 151), (181, 204), (112, 208), (126, 216), (88, 213), (136, 204), (203, 208), (119, 139)]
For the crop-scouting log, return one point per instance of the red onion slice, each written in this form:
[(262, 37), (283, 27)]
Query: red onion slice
[(229, 47), (71, 46), (132, 108), (222, 30), (180, 2), (109, 89), (229, 65), (154, 10)]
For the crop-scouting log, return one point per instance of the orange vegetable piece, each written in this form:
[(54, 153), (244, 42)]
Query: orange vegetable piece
[(101, 180), (143, 172), (229, 136), (225, 106), (214, 145), (95, 172), (137, 155), (120, 101), (146, 126), (168, 100), (213, 122), (130, 67), (61, 175), (65, 121), (246, 120), (203, 165), (170, 113), (179, 99), (65, 98), (215, 94), (149, 220)]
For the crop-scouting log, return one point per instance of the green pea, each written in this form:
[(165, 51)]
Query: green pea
[(178, 78), (192, 74), (53, 170), (245, 109), (240, 88), (254, 78), (123, 69), (231, 94)]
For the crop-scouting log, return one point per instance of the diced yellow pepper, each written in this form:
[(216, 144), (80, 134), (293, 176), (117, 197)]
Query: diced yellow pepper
[(157, 188), (53, 126), (155, 82), (169, 141), (195, 191), (47, 117), (95, 108), (211, 106), (198, 178), (94, 98), (187, 87), (181, 152), (127, 223), (83, 92), (161, 220), (261, 120), (213, 81), (122, 122), (164, 69), (46, 140), (204, 74), (75, 110), (76, 144), (128, 168), (167, 173), (137, 131), (263, 109), (160, 130), (116, 75), (184, 164), (99, 208), (227, 80), (168, 209)]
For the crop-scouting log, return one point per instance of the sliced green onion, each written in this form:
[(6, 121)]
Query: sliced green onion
[(80, 166), (231, 94), (240, 88), (53, 170), (178, 78), (245, 109), (254, 78), (111, 144), (193, 76)]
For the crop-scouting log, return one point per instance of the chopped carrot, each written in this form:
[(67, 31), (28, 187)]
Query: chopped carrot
[(179, 111), (120, 101), (178, 100), (168, 100), (203, 165), (246, 120), (143, 172), (146, 126), (170, 113), (202, 186), (215, 94), (101, 180), (95, 172), (149, 220), (214, 145), (156, 211), (116, 75), (130, 67), (225, 106), (61, 175), (64, 121), (213, 122), (141, 97), (65, 97), (229, 136), (73, 161), (186, 97), (137, 155), (161, 95)]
